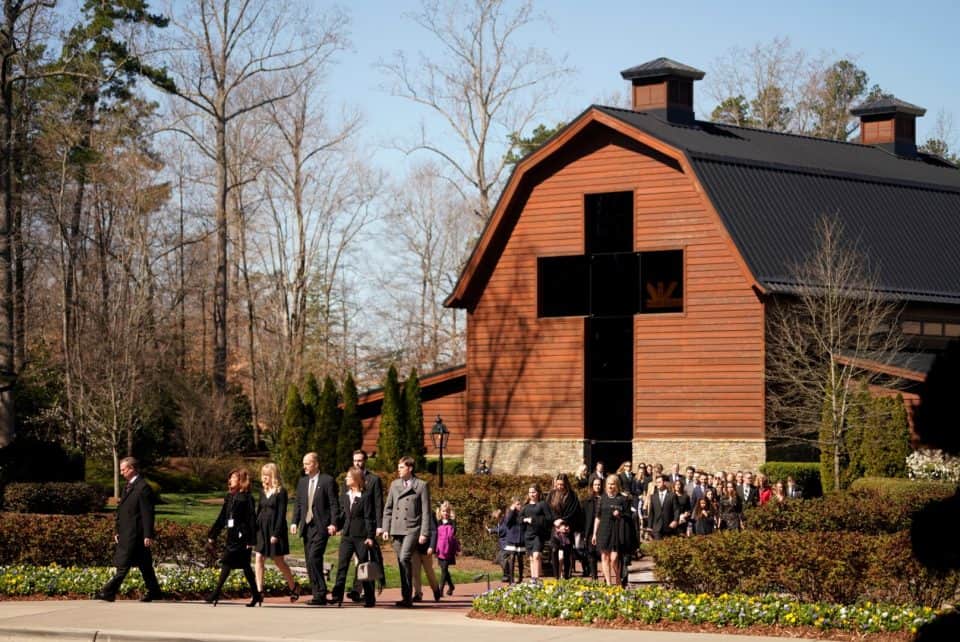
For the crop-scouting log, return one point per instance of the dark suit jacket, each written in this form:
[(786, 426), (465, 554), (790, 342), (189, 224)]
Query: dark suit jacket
[(751, 499), (325, 505), (407, 511), (662, 514), (359, 518), (238, 507), (134, 522)]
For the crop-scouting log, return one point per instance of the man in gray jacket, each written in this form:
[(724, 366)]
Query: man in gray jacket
[(406, 519)]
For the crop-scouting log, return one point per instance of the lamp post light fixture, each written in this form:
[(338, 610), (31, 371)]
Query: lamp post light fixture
[(440, 435)]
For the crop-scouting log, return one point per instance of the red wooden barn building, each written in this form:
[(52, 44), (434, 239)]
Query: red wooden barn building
[(615, 301)]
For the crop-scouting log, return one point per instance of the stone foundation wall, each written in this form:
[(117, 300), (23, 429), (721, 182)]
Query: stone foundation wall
[(524, 456), (536, 456), (705, 454)]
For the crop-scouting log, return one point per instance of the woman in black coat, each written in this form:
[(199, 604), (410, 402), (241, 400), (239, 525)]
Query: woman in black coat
[(272, 538), (238, 517), (565, 508), (589, 556), (357, 523)]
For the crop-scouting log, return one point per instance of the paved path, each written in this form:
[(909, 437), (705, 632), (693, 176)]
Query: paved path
[(131, 621)]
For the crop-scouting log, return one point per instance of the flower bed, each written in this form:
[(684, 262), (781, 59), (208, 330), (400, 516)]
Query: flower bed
[(179, 582), (589, 603)]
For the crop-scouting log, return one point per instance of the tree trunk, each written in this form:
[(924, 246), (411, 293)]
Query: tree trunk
[(220, 281), (8, 375)]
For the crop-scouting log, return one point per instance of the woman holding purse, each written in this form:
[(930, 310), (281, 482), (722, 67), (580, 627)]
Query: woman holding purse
[(357, 524), (238, 518)]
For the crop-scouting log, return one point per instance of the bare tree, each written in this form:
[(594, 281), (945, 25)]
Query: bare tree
[(482, 86), (942, 139), (426, 233), (225, 50), (818, 338)]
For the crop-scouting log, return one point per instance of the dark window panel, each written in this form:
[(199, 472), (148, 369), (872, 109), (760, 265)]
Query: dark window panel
[(661, 281), (613, 284), (610, 348), (609, 222), (562, 286)]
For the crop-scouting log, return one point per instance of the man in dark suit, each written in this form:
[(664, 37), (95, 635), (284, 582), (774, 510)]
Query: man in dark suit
[(663, 509), (315, 515), (406, 519), (372, 485), (749, 494), (134, 534)]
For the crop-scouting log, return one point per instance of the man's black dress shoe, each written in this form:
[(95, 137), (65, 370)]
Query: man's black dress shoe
[(404, 604), (150, 597), (318, 601), (106, 597)]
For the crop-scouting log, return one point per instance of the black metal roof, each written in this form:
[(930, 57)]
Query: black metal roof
[(887, 105), (661, 67), (770, 188)]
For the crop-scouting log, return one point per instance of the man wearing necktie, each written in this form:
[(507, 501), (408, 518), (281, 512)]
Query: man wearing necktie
[(134, 534), (315, 515), (663, 509), (406, 519)]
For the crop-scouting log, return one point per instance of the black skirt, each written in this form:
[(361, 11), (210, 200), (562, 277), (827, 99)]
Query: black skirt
[(235, 557)]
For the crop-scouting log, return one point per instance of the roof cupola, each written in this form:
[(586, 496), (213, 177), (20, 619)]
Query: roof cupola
[(664, 87), (890, 123)]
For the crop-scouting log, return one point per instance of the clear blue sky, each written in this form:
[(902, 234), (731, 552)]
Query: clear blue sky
[(910, 49)]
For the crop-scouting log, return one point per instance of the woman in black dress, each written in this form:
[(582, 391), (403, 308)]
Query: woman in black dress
[(609, 528), (536, 518), (684, 509), (357, 524), (238, 517), (589, 555), (731, 508), (272, 539)]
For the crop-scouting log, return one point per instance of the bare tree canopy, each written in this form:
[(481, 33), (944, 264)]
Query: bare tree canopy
[(484, 86), (818, 338)]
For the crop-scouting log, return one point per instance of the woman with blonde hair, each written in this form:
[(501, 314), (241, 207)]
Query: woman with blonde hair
[(272, 539), (608, 528)]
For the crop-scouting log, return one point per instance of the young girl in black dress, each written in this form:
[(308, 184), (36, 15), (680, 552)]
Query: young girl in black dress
[(272, 539), (535, 517)]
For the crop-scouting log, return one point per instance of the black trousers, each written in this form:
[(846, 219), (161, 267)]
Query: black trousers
[(350, 546), (315, 545), (145, 564)]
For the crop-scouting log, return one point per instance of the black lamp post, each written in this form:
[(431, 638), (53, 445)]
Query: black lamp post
[(440, 435)]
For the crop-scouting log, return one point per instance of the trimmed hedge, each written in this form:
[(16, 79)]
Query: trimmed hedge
[(905, 489), (862, 510), (87, 540), (844, 568), (807, 475), (52, 498)]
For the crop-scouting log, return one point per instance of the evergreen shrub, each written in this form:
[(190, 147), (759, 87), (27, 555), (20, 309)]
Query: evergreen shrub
[(840, 567), (806, 474), (863, 509), (52, 498), (87, 540)]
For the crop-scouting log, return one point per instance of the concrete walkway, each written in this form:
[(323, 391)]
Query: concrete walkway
[(278, 619)]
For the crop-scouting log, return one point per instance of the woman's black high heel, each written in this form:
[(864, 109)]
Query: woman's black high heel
[(294, 593), (257, 600), (213, 598)]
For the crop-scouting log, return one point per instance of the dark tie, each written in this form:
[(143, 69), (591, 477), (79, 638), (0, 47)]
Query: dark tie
[(126, 489)]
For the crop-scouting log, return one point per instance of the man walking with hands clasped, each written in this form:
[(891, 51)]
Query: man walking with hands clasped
[(406, 519), (315, 515)]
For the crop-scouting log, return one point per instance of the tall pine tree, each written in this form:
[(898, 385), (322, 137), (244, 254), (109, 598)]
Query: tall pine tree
[(328, 427), (413, 420), (351, 430), (291, 446), (390, 440), (311, 403)]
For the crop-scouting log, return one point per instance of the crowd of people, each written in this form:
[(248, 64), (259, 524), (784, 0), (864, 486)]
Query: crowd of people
[(360, 513), (604, 530)]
